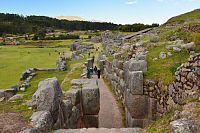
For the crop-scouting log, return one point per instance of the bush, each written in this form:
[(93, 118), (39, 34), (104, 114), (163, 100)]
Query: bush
[(63, 37)]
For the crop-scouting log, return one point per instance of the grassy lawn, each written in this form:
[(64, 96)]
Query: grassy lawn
[(16, 59)]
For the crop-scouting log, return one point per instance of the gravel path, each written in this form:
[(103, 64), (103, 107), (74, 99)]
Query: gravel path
[(109, 115)]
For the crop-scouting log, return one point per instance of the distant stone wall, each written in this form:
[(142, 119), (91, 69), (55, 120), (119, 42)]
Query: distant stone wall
[(78, 108)]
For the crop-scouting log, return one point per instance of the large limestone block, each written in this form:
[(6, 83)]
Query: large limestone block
[(137, 65), (67, 109), (132, 122), (48, 97), (135, 82), (74, 96), (183, 126), (42, 120), (91, 99), (137, 105), (91, 121)]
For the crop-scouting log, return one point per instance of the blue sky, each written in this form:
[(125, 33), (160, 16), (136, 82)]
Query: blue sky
[(117, 11)]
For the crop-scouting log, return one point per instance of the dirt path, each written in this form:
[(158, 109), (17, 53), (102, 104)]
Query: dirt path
[(109, 115), (12, 123)]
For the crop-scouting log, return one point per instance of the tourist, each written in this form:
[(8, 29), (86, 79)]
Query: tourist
[(98, 73), (95, 69)]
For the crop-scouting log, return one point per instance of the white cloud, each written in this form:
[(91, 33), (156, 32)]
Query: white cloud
[(131, 2)]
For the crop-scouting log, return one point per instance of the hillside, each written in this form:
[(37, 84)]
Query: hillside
[(186, 17), (70, 18)]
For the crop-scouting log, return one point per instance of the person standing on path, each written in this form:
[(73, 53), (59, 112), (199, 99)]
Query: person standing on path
[(99, 73)]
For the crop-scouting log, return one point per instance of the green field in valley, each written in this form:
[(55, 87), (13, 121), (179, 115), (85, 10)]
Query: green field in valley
[(16, 59)]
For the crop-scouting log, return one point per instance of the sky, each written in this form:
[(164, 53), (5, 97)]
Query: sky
[(116, 11)]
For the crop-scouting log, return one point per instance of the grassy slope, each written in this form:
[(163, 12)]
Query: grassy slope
[(163, 69), (190, 16)]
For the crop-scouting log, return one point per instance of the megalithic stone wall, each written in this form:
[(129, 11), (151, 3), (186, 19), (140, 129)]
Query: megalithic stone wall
[(146, 100), (78, 108), (127, 81)]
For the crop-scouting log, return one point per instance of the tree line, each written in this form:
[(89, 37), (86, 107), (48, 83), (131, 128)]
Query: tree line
[(18, 24)]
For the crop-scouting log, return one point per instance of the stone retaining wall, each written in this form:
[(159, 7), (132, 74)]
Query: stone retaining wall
[(146, 100), (186, 84)]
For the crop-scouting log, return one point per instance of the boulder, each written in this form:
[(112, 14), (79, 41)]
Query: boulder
[(140, 57), (48, 97), (175, 49), (189, 46), (169, 54), (154, 39), (16, 97), (61, 64), (183, 126), (9, 93), (42, 120), (137, 65), (163, 55)]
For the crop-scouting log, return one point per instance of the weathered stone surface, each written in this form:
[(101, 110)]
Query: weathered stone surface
[(140, 57), (16, 97), (90, 63), (137, 65), (135, 82), (74, 96), (91, 98), (61, 64), (183, 126), (100, 130), (42, 120), (175, 49), (189, 46), (137, 105), (2, 94), (9, 93), (154, 39), (132, 122), (163, 55), (31, 130), (48, 97), (91, 121)]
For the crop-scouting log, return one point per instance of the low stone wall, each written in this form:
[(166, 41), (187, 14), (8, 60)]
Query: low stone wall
[(78, 108), (186, 84)]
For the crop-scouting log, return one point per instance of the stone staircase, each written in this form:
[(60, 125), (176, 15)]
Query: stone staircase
[(99, 130)]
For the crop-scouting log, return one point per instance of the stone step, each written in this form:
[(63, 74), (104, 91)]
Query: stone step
[(99, 130)]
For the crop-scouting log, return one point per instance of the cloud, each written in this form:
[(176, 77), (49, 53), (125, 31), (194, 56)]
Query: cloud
[(131, 2)]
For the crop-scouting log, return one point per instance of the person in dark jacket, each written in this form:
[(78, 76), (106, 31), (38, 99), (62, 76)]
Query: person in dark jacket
[(95, 69), (98, 73)]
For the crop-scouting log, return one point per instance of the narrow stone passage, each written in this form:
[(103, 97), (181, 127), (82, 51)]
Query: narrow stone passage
[(109, 115)]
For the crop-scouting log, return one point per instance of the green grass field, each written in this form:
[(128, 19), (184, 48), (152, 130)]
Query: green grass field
[(16, 59)]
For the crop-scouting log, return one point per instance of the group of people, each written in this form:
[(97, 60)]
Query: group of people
[(93, 70)]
